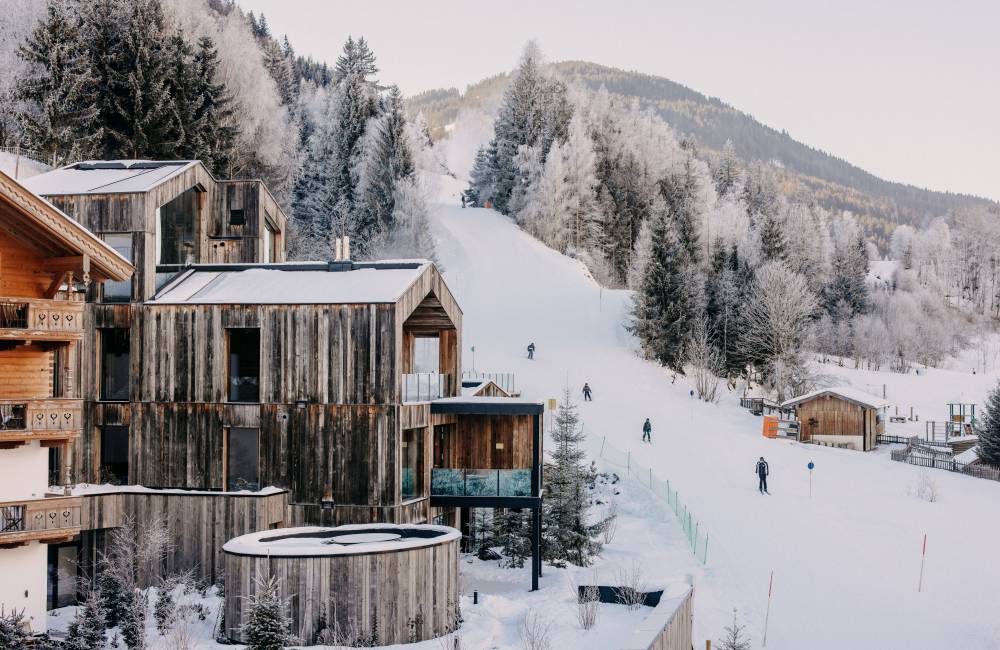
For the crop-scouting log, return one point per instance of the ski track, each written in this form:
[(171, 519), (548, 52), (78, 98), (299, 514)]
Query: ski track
[(845, 562)]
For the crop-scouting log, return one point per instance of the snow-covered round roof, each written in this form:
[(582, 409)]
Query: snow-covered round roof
[(358, 539)]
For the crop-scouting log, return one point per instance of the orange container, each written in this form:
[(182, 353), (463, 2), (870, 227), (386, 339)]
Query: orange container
[(770, 426)]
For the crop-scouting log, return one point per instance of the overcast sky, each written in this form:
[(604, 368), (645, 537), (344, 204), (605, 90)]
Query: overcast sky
[(907, 89)]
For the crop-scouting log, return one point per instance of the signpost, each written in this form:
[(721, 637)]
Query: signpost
[(811, 467)]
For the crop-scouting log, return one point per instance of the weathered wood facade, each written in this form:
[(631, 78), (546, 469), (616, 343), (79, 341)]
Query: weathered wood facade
[(378, 597)]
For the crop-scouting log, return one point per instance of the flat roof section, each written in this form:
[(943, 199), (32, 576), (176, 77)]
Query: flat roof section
[(486, 406)]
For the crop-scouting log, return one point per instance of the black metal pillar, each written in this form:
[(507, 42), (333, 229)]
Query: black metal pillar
[(536, 542)]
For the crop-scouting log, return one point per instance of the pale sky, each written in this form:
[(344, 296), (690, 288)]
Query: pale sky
[(906, 89)]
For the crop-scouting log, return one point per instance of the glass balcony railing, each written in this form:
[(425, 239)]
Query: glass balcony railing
[(480, 482), (426, 386)]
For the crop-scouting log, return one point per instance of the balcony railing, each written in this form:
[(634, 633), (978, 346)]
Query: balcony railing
[(426, 386), (42, 519), (447, 482), (51, 319), (30, 419)]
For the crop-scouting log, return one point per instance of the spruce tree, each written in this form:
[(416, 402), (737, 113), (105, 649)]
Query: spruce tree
[(989, 430), (104, 26), (512, 534), (183, 139), (680, 193), (62, 120), (566, 535), (479, 190), (12, 630), (357, 59), (217, 128), (666, 307), (772, 239), (86, 631), (726, 173), (133, 623), (267, 621)]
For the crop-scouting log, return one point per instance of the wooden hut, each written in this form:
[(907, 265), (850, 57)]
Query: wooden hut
[(841, 416)]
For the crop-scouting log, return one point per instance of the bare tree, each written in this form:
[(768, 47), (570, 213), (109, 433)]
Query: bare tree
[(610, 524), (631, 588), (706, 364), (536, 631)]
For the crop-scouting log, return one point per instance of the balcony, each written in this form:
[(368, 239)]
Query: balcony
[(447, 482), (53, 420), (426, 386), (46, 520), (36, 319)]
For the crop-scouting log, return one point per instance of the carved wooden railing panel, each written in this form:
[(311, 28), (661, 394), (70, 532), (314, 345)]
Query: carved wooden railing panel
[(41, 316), (40, 418), (41, 519)]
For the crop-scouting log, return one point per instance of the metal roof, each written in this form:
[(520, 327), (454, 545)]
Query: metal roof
[(107, 176)]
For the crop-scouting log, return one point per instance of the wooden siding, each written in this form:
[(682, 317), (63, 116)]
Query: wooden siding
[(828, 415), (471, 443), (409, 595), (198, 526)]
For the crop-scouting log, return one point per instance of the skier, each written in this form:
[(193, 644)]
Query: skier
[(531, 350), (762, 472), (586, 393), (647, 430)]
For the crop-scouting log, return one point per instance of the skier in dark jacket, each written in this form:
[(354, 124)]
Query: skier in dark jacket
[(762, 472), (647, 430), (531, 350), (586, 393)]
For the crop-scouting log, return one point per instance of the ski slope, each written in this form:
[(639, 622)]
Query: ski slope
[(845, 562)]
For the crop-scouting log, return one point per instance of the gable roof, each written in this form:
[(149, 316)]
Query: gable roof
[(861, 398), (302, 283), (107, 176), (32, 217)]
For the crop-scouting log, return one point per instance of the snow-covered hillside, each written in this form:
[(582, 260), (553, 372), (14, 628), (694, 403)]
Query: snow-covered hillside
[(845, 562)]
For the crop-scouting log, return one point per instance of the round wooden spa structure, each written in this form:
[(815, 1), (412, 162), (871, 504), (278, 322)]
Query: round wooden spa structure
[(399, 580)]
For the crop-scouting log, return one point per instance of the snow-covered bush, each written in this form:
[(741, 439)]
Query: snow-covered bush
[(12, 629), (267, 621), (587, 606), (631, 587), (86, 630), (926, 488)]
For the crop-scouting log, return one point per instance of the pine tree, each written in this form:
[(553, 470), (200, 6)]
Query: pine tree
[(772, 238), (214, 118), (665, 310), (512, 534), (566, 535), (989, 430), (86, 631), (279, 66), (102, 34), (735, 637), (726, 174), (482, 533), (183, 140), (267, 622), (63, 120), (680, 193), (389, 161), (164, 608), (848, 283), (12, 630), (356, 59), (480, 184), (133, 624)]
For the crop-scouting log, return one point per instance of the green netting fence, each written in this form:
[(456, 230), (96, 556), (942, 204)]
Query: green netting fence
[(694, 530)]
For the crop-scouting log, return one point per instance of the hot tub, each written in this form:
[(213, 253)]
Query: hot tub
[(378, 583)]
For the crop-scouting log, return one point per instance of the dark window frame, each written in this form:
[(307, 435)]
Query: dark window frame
[(233, 447), (107, 470), (105, 394), (242, 387)]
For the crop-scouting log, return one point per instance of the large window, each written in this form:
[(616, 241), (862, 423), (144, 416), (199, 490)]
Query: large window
[(413, 464), (242, 459), (270, 244), (178, 229), (115, 348), (114, 454), (119, 291), (244, 365)]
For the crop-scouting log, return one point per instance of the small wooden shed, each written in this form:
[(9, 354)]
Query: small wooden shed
[(840, 416)]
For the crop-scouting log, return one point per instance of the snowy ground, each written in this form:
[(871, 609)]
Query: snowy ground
[(845, 562)]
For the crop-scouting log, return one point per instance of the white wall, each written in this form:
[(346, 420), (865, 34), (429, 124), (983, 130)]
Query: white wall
[(24, 471), (24, 570)]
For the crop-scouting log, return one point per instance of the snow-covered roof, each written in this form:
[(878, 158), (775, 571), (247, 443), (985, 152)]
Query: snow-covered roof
[(969, 456), (304, 284), (342, 540), (107, 176), (848, 393)]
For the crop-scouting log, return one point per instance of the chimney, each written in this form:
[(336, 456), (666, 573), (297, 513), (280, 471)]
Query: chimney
[(347, 249), (338, 250)]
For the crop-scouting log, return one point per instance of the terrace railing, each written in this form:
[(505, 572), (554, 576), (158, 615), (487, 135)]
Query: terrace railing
[(22, 419), (41, 519), (426, 386), (480, 482), (41, 316), (504, 380)]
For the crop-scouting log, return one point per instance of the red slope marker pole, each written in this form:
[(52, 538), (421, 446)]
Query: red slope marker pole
[(923, 554), (767, 615)]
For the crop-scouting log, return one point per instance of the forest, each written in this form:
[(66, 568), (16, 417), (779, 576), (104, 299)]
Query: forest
[(731, 276), (202, 79)]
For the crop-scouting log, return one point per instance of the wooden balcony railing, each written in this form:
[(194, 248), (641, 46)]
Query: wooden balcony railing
[(35, 318), (46, 520), (56, 419)]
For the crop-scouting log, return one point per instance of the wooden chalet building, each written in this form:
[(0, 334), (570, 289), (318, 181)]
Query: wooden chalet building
[(45, 257), (222, 368), (841, 416)]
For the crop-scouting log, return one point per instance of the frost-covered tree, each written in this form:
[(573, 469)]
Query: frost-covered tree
[(267, 622), (12, 629), (989, 430), (214, 117), (512, 533), (567, 535), (86, 630), (59, 90), (667, 305), (356, 59), (846, 294), (681, 192), (735, 637), (727, 172)]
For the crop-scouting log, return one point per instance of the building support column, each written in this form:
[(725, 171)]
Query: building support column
[(536, 550)]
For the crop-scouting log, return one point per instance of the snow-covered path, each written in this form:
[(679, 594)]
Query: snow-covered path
[(845, 562)]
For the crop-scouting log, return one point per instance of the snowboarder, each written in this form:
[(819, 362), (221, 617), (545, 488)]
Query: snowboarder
[(762, 472), (586, 393), (531, 350), (647, 430)]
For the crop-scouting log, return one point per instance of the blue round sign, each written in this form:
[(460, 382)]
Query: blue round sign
[(811, 465)]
